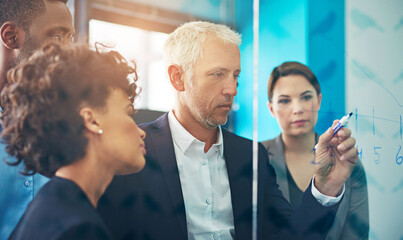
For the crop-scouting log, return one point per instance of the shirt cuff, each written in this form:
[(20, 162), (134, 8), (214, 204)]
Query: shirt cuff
[(326, 201)]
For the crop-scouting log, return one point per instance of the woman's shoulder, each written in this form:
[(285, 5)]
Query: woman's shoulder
[(274, 142), (59, 205), (61, 218), (358, 177)]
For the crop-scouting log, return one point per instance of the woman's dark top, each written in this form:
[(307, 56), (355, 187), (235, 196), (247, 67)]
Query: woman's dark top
[(60, 210), (295, 192)]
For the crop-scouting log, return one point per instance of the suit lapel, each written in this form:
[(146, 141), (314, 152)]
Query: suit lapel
[(239, 167), (163, 148)]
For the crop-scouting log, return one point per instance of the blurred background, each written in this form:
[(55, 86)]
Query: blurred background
[(355, 48)]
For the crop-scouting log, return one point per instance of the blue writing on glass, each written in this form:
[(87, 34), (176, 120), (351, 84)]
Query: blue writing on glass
[(378, 159), (360, 154), (399, 159)]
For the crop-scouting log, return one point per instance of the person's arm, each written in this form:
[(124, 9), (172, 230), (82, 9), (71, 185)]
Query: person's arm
[(356, 226), (335, 159), (310, 221)]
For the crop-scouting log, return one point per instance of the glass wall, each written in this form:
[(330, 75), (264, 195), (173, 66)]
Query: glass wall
[(355, 49)]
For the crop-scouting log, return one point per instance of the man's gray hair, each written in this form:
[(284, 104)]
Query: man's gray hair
[(184, 45)]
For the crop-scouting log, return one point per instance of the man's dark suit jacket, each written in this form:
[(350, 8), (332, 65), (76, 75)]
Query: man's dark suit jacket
[(149, 204), (60, 211)]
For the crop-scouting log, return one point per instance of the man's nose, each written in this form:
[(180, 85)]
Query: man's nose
[(231, 87)]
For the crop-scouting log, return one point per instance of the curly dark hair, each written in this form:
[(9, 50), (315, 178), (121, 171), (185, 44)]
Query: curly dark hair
[(41, 102), (21, 12)]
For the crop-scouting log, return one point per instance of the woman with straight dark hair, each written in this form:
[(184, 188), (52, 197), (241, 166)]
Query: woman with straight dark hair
[(67, 114), (294, 100)]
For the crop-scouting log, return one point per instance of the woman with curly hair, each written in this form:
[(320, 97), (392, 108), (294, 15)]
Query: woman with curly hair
[(67, 114)]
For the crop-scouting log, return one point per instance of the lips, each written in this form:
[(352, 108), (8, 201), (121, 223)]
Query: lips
[(299, 122), (143, 149), (226, 106)]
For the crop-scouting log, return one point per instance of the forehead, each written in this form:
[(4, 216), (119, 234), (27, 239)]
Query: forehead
[(217, 53), (292, 84), (57, 16)]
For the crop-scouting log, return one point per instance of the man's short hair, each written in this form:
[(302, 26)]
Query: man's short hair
[(184, 46), (22, 12)]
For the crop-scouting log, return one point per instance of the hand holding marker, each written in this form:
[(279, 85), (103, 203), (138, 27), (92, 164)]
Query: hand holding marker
[(343, 122)]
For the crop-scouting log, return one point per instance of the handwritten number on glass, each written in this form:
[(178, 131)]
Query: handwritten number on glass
[(399, 159), (377, 160), (360, 154)]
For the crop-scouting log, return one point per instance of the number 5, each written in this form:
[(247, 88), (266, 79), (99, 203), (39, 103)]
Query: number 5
[(377, 154)]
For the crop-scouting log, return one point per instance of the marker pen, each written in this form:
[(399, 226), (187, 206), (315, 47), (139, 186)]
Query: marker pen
[(343, 122)]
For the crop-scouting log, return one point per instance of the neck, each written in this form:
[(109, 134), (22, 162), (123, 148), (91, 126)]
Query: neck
[(90, 175), (200, 132), (299, 144)]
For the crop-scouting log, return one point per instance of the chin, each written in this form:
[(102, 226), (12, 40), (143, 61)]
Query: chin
[(220, 120), (300, 132), (129, 169)]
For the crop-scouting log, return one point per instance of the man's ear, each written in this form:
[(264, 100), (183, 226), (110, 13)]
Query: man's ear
[(91, 123), (12, 36), (176, 76)]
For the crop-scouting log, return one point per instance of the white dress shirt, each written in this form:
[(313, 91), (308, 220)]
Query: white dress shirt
[(205, 185)]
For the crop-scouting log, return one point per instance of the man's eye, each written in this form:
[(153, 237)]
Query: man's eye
[(217, 75), (56, 37)]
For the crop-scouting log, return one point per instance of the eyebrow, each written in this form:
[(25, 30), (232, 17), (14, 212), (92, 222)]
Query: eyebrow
[(61, 29), (223, 69), (309, 91), (306, 92)]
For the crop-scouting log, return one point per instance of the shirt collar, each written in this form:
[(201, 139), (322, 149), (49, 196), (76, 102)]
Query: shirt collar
[(183, 139)]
